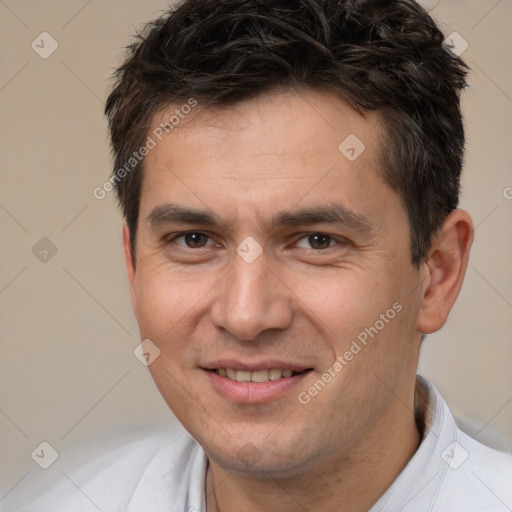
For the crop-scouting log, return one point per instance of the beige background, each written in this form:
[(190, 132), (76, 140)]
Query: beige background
[(67, 369)]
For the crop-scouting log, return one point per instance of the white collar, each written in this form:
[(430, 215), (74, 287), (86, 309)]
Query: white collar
[(419, 483)]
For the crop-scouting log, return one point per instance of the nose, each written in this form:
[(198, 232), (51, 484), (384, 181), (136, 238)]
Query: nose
[(251, 299)]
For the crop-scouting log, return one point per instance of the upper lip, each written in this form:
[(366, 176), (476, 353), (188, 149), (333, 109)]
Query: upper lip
[(254, 366)]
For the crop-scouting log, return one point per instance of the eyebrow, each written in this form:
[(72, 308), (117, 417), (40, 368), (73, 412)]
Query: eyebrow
[(331, 214), (172, 213), (175, 214)]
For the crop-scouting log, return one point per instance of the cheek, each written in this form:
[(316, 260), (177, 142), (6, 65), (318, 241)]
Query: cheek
[(342, 303), (168, 303), (365, 317)]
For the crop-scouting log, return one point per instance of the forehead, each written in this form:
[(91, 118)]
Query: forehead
[(291, 124), (288, 147)]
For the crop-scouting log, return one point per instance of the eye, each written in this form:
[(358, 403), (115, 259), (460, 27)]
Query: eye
[(316, 241), (193, 240)]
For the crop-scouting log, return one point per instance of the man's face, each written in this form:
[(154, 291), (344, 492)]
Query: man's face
[(263, 246)]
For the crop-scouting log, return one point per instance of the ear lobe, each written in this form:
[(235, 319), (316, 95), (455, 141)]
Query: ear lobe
[(444, 270), (130, 266)]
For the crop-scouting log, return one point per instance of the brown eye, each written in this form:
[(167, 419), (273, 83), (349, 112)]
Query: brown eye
[(192, 240), (319, 241), (195, 240)]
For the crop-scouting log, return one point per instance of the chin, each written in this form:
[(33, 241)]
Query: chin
[(261, 461)]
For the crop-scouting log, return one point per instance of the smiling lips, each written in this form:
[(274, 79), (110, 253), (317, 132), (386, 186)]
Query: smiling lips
[(264, 382), (257, 376), (255, 381)]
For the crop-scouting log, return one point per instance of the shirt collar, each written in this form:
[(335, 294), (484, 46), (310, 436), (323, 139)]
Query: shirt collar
[(419, 483)]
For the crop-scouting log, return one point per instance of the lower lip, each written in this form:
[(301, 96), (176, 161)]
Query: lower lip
[(253, 392)]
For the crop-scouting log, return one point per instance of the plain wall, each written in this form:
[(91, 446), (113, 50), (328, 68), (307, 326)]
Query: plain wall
[(67, 329)]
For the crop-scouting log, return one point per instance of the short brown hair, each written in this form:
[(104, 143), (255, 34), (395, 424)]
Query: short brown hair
[(378, 54)]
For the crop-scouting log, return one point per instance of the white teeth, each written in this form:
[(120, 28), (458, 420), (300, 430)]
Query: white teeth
[(243, 376), (258, 376), (275, 374)]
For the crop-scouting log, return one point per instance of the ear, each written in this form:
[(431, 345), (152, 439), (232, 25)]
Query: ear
[(443, 271), (130, 266)]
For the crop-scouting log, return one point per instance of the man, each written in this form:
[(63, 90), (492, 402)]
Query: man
[(288, 173)]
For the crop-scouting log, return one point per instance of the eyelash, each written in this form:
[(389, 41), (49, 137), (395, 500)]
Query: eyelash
[(173, 238), (336, 240)]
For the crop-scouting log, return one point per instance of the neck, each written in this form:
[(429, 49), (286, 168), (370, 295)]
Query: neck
[(351, 481)]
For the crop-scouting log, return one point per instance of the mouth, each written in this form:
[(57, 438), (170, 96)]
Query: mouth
[(259, 376), (250, 384)]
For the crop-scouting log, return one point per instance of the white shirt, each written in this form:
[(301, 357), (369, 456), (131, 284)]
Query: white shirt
[(450, 472)]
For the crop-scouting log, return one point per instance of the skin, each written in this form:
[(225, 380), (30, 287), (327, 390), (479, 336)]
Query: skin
[(300, 301)]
